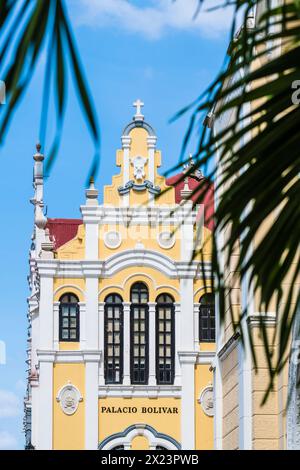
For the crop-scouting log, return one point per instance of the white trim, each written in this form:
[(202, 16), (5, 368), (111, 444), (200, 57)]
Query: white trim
[(56, 325), (126, 343), (196, 326), (69, 286), (177, 379), (152, 343), (46, 327), (92, 316), (82, 325), (140, 430), (101, 341)]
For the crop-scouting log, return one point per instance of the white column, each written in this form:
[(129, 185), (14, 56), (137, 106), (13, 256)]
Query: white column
[(44, 436), (187, 360), (46, 313), (82, 325), (177, 380), (152, 344), (56, 326), (91, 400), (92, 316), (101, 342), (126, 343)]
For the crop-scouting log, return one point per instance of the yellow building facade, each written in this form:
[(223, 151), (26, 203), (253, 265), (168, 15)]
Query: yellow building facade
[(121, 338)]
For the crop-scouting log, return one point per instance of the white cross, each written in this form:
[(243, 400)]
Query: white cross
[(138, 104)]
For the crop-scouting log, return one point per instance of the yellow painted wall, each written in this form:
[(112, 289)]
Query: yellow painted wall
[(111, 423), (204, 425), (68, 431), (140, 443)]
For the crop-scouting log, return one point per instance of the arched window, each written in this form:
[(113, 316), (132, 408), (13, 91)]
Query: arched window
[(207, 319), (165, 339), (69, 318), (113, 339), (139, 334)]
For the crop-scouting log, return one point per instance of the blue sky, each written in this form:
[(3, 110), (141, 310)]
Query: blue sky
[(130, 49)]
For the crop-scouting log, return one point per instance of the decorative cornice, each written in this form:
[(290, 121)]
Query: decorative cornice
[(229, 346), (188, 357), (131, 391), (267, 318), (123, 259)]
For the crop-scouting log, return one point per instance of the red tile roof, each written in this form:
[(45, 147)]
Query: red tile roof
[(63, 230), (204, 196)]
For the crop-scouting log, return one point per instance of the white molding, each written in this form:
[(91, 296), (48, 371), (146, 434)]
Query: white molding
[(74, 356), (101, 341), (126, 343), (187, 361), (56, 325), (68, 286), (119, 261), (135, 391)]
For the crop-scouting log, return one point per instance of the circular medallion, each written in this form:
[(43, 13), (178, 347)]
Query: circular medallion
[(166, 239), (69, 398), (112, 239)]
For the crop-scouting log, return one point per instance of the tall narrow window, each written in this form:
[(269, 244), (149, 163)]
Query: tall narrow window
[(165, 339), (113, 339), (207, 319), (69, 318), (139, 335)]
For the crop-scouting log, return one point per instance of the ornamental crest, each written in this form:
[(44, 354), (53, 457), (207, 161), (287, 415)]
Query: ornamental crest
[(139, 167), (69, 398)]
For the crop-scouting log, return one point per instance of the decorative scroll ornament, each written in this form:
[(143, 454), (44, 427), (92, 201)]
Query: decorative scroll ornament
[(69, 398), (166, 239), (139, 187), (206, 400), (139, 167)]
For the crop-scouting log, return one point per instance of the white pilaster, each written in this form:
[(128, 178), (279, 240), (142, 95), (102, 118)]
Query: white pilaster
[(126, 343), (186, 232), (188, 360), (101, 342), (151, 143), (56, 326), (196, 326), (92, 316), (187, 314), (218, 405), (44, 436), (82, 325), (177, 379), (46, 313), (152, 344), (245, 397), (91, 240), (126, 141), (92, 360)]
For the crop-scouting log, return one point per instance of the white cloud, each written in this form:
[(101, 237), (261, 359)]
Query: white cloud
[(9, 404), (153, 19), (7, 441)]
